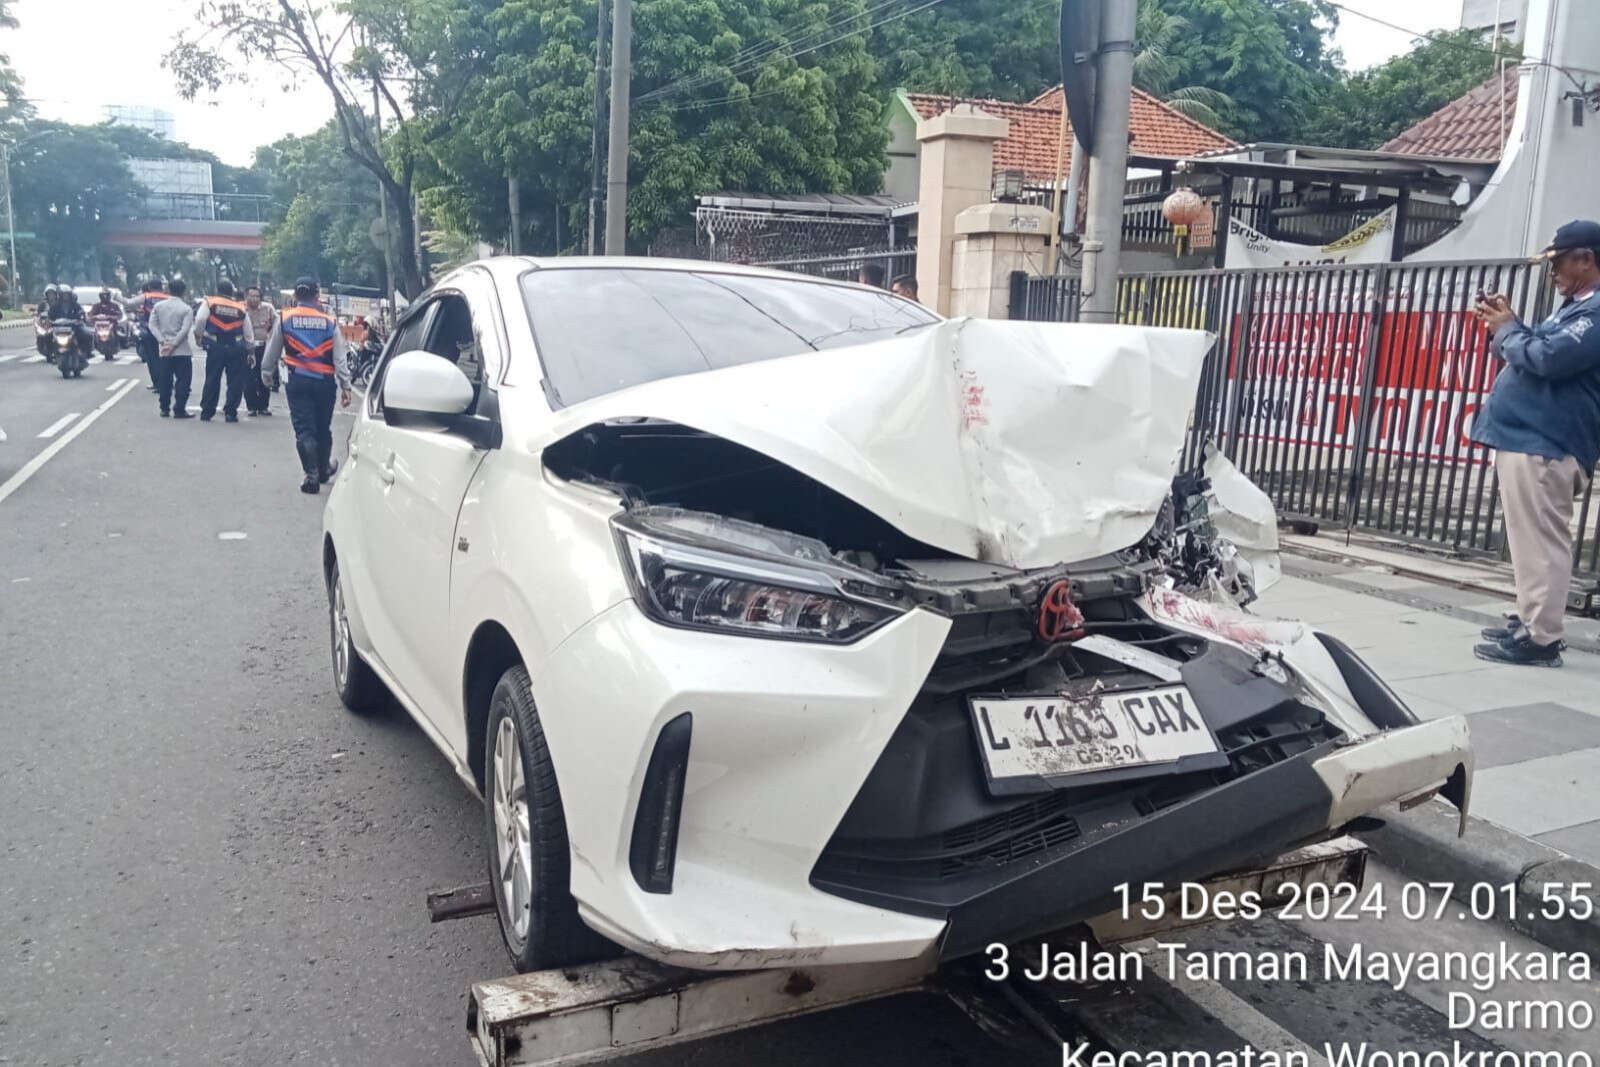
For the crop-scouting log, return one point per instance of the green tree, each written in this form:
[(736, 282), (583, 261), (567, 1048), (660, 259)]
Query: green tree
[(726, 96), (324, 207), (419, 57), (1270, 57), (999, 48), (1371, 106), (1158, 69), (66, 182)]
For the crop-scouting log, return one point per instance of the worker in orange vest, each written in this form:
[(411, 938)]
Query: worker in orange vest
[(222, 327)]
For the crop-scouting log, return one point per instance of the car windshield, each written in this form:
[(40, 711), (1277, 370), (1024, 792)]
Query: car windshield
[(601, 329)]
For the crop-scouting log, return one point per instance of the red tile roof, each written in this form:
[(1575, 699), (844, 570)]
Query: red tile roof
[(1468, 127), (1157, 129)]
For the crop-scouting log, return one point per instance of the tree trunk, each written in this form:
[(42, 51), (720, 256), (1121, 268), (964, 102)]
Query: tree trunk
[(411, 281)]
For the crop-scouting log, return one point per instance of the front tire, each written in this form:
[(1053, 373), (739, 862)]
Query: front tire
[(358, 688), (526, 831)]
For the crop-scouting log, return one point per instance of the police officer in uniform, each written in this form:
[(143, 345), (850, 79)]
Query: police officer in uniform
[(155, 291), (222, 327), (1542, 418), (313, 349)]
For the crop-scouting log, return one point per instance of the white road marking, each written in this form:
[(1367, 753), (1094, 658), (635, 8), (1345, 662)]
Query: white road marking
[(29, 469), (12, 356), (35, 358), (232, 535), (116, 383), (60, 424)]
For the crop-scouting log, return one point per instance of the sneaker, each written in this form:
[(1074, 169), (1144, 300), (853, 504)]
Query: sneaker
[(1521, 651), (205, 417), (165, 414), (230, 416), (327, 475), (310, 485), (1503, 633), (183, 414), (252, 414), (264, 411)]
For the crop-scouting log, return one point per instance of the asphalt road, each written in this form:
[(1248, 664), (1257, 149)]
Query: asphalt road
[(205, 860)]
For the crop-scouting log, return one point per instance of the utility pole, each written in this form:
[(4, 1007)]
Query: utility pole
[(617, 163), (597, 188), (1108, 165), (514, 201), (11, 227)]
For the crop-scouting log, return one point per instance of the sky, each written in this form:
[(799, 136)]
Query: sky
[(1366, 43), (119, 62)]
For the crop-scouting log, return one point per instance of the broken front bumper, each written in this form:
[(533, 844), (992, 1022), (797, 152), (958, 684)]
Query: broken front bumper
[(1236, 825)]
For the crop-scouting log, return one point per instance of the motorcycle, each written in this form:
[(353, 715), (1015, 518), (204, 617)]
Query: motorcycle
[(364, 360), (70, 356), (41, 338), (105, 337)]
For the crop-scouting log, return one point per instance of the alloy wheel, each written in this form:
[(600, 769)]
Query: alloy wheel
[(512, 832), (341, 636)]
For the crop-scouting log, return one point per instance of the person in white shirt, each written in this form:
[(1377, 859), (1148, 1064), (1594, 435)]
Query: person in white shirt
[(172, 324)]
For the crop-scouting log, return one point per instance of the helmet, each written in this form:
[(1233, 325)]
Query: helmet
[(51, 290), (105, 293)]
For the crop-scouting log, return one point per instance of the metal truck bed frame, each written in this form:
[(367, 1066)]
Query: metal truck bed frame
[(625, 1006)]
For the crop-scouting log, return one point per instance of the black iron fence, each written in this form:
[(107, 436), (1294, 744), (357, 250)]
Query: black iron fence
[(1347, 392)]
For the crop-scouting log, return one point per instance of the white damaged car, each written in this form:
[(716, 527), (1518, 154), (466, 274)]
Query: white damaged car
[(779, 620)]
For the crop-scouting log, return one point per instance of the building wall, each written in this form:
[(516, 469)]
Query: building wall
[(901, 178), (1481, 14), (1546, 176)]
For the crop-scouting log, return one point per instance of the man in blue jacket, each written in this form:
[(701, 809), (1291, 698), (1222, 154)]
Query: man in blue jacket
[(1543, 420)]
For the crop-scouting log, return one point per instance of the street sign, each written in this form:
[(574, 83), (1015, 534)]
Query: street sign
[(21, 235), (1080, 41)]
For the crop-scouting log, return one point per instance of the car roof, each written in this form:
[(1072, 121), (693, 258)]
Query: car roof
[(507, 269)]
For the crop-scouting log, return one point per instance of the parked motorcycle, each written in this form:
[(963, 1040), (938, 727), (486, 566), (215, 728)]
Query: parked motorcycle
[(70, 358), (41, 338), (105, 336)]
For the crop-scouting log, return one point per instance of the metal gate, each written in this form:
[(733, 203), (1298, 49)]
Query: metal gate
[(1347, 392)]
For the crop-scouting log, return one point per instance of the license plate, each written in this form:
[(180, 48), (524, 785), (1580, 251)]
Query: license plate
[(1051, 736)]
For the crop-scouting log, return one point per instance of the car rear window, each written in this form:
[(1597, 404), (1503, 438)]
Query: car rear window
[(601, 329)]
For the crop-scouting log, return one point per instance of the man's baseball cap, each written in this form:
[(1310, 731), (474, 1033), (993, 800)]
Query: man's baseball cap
[(1579, 233), (306, 281)]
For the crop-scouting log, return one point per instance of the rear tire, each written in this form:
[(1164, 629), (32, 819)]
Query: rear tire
[(358, 688), (530, 871)]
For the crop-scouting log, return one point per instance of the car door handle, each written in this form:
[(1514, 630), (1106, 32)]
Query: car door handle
[(386, 470)]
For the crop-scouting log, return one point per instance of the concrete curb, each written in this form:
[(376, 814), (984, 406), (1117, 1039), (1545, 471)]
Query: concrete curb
[(1422, 844)]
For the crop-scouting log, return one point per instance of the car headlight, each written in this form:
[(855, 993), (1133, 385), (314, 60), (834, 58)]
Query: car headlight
[(706, 572)]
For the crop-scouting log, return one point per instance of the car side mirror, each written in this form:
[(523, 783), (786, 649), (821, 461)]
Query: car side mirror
[(421, 389)]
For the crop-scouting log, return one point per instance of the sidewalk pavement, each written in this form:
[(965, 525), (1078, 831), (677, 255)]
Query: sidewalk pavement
[(1535, 730)]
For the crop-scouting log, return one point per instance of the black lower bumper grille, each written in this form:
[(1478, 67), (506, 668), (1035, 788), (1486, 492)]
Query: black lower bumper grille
[(994, 843)]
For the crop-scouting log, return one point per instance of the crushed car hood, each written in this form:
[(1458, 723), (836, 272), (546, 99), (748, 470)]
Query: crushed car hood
[(1023, 444)]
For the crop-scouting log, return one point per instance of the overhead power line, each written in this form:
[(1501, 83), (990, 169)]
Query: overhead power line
[(750, 64), (761, 49)]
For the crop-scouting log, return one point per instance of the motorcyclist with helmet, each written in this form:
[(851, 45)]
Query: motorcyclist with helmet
[(107, 308)]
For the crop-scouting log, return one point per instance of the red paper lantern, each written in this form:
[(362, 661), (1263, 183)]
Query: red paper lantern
[(1183, 207)]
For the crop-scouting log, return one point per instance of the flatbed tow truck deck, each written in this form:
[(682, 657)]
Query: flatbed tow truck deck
[(622, 1007)]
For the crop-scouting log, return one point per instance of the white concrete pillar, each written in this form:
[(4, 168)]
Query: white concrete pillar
[(992, 240), (957, 169)]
